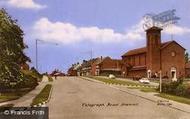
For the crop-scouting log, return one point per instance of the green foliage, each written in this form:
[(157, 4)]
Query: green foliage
[(36, 73), (11, 51), (187, 57), (176, 88)]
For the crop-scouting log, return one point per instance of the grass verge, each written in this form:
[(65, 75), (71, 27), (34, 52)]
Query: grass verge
[(43, 95), (114, 81), (144, 89), (50, 79), (174, 98)]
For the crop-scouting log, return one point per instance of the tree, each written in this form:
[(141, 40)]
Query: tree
[(11, 50), (187, 57)]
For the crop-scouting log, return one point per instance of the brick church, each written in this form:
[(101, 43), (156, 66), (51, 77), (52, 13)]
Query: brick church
[(167, 57)]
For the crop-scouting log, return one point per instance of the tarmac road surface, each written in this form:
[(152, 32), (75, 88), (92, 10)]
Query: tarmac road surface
[(75, 98)]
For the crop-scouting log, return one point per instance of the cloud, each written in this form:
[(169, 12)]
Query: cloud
[(26, 4), (67, 33), (176, 30), (136, 32)]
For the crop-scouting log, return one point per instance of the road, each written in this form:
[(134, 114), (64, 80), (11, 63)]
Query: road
[(75, 98)]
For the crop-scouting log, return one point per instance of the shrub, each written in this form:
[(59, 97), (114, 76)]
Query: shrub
[(165, 77), (153, 76), (176, 88), (181, 90), (187, 93)]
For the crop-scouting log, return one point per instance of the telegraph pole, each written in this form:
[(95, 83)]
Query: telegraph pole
[(91, 54), (37, 54), (160, 81)]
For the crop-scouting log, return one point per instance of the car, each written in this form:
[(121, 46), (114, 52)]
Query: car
[(144, 80), (111, 76)]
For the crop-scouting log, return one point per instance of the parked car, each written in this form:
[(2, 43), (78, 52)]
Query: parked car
[(144, 80), (111, 76)]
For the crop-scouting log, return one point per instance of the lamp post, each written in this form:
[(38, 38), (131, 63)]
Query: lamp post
[(37, 54), (160, 81), (37, 40)]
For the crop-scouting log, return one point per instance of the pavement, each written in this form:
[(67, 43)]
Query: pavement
[(76, 98)]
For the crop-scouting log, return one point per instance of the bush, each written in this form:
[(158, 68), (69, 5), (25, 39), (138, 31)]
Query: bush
[(165, 77), (153, 76), (187, 93), (29, 82), (36, 73), (176, 88), (181, 90)]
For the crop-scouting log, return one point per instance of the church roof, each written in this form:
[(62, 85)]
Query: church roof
[(144, 49)]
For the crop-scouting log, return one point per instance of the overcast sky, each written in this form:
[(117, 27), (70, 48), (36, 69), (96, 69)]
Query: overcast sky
[(107, 27)]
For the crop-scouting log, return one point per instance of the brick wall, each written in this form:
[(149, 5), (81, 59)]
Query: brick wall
[(169, 61), (109, 63)]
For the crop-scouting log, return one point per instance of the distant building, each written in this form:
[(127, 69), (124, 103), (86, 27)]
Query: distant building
[(106, 66), (57, 73), (24, 66), (148, 61), (86, 67), (74, 70)]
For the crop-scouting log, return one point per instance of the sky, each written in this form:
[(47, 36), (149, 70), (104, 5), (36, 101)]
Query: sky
[(105, 27)]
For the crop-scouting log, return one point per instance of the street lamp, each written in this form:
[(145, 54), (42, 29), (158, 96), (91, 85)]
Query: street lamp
[(160, 81), (38, 40)]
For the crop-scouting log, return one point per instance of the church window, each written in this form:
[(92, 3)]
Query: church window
[(173, 54)]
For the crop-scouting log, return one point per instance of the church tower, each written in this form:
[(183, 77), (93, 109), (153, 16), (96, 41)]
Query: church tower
[(153, 56)]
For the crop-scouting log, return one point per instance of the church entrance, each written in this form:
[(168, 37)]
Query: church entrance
[(149, 74), (173, 74)]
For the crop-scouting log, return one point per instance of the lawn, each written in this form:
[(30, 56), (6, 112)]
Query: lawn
[(43, 95), (11, 96), (174, 98), (4, 98)]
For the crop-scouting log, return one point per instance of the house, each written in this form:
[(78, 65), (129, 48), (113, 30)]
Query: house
[(24, 66), (86, 67), (106, 66), (187, 70), (57, 73), (77, 68), (72, 72), (148, 61)]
